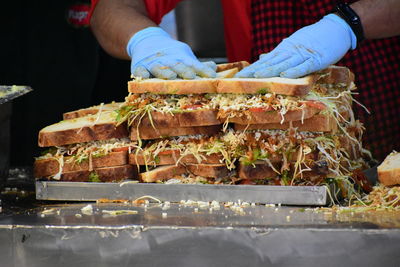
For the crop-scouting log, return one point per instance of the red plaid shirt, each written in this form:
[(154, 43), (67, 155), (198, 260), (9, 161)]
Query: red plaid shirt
[(253, 27), (375, 63)]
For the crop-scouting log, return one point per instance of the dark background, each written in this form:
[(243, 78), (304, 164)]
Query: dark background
[(62, 63)]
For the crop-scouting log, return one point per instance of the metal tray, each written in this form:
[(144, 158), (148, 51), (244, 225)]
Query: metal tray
[(81, 191)]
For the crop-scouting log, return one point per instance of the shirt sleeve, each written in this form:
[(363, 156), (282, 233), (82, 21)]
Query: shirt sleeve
[(156, 9), (237, 29)]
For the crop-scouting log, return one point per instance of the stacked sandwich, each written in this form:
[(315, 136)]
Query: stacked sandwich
[(224, 130)]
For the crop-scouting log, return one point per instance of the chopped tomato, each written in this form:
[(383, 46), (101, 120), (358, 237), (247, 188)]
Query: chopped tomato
[(263, 109), (193, 106), (315, 104), (167, 152), (120, 149)]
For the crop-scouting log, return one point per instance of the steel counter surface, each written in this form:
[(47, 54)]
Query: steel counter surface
[(179, 235)]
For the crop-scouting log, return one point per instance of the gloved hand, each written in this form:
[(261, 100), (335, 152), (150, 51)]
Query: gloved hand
[(154, 52), (309, 49)]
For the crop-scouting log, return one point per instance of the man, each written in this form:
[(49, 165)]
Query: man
[(127, 29)]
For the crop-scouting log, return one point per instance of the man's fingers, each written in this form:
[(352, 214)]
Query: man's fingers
[(200, 69), (140, 71), (304, 68), (275, 70), (161, 71), (183, 71), (265, 61), (211, 64)]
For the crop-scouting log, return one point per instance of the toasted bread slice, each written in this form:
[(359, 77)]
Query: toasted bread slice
[(189, 118), (52, 166), (284, 86), (208, 170), (277, 85), (145, 132), (228, 66), (389, 170), (317, 123), (175, 87), (101, 126), (261, 117), (162, 173), (106, 174), (91, 110), (257, 171), (171, 158)]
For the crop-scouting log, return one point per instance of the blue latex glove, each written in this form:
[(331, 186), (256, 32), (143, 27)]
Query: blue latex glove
[(154, 52), (309, 49)]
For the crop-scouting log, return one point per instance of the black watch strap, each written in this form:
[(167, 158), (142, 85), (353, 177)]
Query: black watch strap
[(350, 16)]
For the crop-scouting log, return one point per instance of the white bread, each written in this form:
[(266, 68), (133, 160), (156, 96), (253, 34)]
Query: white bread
[(102, 126), (284, 86), (148, 132), (389, 170), (51, 166), (317, 123), (106, 174), (227, 73), (91, 110)]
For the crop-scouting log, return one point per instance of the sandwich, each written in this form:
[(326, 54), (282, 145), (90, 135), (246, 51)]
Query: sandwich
[(224, 130)]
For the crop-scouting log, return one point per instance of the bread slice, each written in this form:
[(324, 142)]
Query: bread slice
[(336, 75), (277, 85), (258, 171), (106, 174), (208, 170), (101, 126), (52, 166), (227, 66), (175, 87), (389, 170), (171, 157), (162, 173), (317, 123), (227, 73), (189, 118), (91, 110), (261, 117), (145, 132), (284, 86)]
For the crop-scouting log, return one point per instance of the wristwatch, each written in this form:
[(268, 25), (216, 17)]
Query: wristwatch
[(350, 16)]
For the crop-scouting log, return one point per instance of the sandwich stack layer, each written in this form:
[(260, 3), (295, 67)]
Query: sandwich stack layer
[(226, 130)]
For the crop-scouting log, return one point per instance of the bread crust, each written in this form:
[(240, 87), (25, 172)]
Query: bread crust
[(257, 171), (208, 170), (147, 133), (389, 170), (227, 66), (336, 75), (101, 131), (106, 174), (51, 166), (317, 123), (176, 87), (90, 111)]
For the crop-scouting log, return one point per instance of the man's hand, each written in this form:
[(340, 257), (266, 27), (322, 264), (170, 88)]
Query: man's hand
[(309, 49), (154, 52)]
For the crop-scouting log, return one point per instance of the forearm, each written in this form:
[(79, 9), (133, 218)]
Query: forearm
[(380, 18), (114, 22)]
